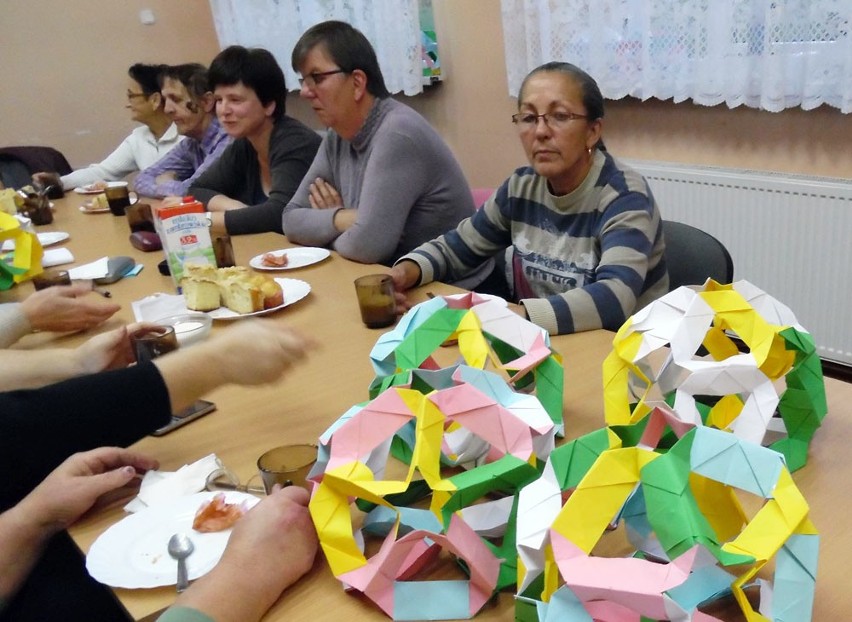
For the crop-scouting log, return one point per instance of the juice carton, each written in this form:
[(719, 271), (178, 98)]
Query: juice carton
[(185, 235)]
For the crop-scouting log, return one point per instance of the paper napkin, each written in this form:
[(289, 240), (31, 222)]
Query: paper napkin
[(57, 257), (157, 306), (160, 486), (94, 270)]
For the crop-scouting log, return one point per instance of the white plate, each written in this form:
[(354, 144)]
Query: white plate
[(132, 553), (294, 291), (88, 189), (48, 238), (296, 258)]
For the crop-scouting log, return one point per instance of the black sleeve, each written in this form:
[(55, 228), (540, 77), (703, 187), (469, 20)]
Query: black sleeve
[(39, 428)]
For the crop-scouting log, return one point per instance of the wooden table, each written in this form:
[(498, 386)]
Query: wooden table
[(336, 376)]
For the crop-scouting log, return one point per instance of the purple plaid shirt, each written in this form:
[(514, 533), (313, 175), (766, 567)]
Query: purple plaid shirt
[(187, 161)]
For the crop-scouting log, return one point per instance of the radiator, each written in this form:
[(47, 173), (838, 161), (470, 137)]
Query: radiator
[(789, 235)]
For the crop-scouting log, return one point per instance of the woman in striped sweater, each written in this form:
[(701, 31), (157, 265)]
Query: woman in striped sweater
[(578, 233)]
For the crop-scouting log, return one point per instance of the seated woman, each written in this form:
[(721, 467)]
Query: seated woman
[(579, 231), (247, 188), (145, 145)]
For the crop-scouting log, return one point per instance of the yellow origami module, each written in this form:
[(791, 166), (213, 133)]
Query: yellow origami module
[(654, 359), (693, 540)]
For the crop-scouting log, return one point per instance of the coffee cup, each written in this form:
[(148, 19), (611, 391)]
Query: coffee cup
[(287, 465), (118, 197), (149, 342), (376, 300), (49, 278)]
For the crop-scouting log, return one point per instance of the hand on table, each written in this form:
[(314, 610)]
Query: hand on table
[(83, 480), (66, 307)]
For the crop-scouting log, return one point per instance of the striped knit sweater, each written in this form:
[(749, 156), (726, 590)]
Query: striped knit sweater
[(577, 262)]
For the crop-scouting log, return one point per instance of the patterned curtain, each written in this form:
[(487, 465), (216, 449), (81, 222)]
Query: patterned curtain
[(769, 54), (392, 26)]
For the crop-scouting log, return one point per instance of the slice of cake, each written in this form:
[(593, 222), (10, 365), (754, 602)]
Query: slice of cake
[(200, 293), (241, 296)]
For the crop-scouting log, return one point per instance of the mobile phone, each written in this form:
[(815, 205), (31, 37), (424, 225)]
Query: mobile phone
[(198, 409)]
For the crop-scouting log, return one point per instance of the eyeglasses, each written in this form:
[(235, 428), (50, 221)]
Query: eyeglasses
[(527, 121), (318, 77), (131, 95)]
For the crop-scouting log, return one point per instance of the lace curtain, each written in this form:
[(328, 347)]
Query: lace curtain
[(769, 54), (392, 26)]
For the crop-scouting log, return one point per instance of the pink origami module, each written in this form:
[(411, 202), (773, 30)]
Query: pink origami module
[(459, 417)]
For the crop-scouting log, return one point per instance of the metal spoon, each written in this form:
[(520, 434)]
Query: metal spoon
[(181, 547)]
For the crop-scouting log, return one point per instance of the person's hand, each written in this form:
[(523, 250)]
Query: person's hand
[(66, 307), (406, 274), (276, 529), (323, 195), (47, 179), (109, 350), (171, 200), (84, 479), (269, 549), (256, 352)]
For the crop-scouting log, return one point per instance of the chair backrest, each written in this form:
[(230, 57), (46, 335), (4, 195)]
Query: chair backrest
[(692, 255), (13, 172), (481, 195)]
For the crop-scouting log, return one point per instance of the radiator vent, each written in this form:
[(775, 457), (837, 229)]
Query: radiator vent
[(790, 235)]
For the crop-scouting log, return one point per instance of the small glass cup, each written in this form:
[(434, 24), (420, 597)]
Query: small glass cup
[(118, 197), (139, 217), (288, 465), (224, 252), (149, 342), (376, 300), (49, 278)]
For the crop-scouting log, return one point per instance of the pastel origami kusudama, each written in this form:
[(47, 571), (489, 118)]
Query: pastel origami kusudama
[(487, 331), (681, 513), (465, 435), (685, 320)]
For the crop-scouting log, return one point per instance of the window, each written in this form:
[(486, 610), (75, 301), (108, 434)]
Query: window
[(769, 54), (393, 27)]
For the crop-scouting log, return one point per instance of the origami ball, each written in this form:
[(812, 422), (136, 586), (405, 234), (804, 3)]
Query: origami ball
[(655, 359), (682, 515), (464, 434), (487, 332)]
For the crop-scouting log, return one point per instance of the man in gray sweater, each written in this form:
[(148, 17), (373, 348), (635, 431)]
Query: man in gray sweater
[(383, 181)]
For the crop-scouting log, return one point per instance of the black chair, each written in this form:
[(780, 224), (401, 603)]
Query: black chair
[(692, 255), (17, 164)]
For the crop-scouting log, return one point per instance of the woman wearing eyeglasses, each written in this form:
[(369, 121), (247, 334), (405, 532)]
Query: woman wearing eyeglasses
[(579, 233), (145, 145)]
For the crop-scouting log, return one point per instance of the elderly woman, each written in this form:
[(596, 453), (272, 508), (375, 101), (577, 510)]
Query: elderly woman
[(579, 231), (149, 142)]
